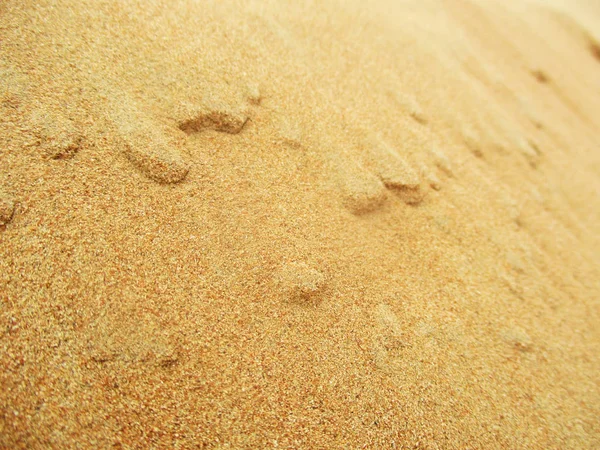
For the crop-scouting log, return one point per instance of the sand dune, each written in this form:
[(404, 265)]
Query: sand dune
[(303, 225)]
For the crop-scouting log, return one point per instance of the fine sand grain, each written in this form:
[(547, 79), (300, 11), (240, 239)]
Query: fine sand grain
[(300, 225)]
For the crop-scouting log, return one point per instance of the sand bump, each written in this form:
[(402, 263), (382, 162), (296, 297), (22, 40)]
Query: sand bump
[(517, 338), (7, 208), (253, 93), (59, 136), (398, 176), (530, 150), (390, 330), (214, 114), (472, 140), (429, 176), (594, 47), (299, 282), (149, 148), (410, 105), (363, 192), (156, 160), (442, 161)]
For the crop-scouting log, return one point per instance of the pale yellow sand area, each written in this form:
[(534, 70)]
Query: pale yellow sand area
[(327, 225)]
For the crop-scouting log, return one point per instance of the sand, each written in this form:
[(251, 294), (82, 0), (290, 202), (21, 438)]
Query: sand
[(299, 225)]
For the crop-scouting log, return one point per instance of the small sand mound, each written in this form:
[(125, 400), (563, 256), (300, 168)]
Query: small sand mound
[(594, 48), (432, 179), (59, 137), (530, 150), (410, 105), (156, 160), (442, 161), (299, 282), (214, 113), (138, 342), (148, 147), (363, 192), (253, 93), (390, 331), (7, 208), (396, 173), (517, 338), (472, 140)]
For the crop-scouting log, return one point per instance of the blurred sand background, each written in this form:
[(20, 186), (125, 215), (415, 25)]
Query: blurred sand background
[(299, 225)]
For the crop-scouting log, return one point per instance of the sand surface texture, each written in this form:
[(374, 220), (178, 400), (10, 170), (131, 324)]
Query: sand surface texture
[(299, 225)]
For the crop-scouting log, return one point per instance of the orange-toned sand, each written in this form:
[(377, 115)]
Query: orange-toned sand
[(299, 225)]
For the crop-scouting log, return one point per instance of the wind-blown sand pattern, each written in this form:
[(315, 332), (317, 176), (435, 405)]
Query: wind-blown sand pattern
[(299, 225)]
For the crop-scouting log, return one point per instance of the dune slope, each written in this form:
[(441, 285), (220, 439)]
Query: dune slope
[(321, 225)]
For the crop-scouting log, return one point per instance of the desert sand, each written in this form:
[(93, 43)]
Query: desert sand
[(299, 225)]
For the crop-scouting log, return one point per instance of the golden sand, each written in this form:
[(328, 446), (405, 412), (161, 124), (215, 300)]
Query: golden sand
[(301, 225)]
